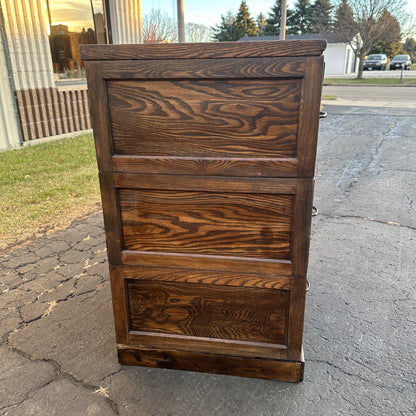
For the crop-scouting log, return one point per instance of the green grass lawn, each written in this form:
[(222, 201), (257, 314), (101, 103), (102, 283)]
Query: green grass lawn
[(381, 81), (45, 187), (329, 97)]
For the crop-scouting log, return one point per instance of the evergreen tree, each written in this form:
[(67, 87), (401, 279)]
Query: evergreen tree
[(344, 18), (273, 21), (244, 24), (300, 21), (224, 32), (261, 24), (390, 45), (410, 47), (391, 49), (321, 20), (272, 27)]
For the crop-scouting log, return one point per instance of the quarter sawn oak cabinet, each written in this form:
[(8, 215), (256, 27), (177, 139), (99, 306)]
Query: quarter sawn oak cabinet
[(206, 154)]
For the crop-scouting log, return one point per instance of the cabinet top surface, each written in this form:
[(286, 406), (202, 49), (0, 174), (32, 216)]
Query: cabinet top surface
[(217, 50)]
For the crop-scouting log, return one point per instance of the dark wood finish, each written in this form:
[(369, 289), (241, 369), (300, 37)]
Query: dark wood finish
[(185, 118), (291, 371), (206, 165), (207, 183), (204, 69), (207, 223), (97, 100), (266, 267), (309, 123), (206, 155), (208, 311), (223, 50), (112, 221), (207, 277)]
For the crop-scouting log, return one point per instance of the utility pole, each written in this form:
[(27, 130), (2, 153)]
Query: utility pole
[(181, 22), (283, 21)]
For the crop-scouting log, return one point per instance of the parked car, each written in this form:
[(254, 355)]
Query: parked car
[(376, 61), (401, 61)]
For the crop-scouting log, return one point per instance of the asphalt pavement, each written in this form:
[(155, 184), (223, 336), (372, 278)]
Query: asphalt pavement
[(58, 351)]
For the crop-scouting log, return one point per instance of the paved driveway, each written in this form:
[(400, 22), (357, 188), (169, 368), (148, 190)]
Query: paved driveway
[(58, 352)]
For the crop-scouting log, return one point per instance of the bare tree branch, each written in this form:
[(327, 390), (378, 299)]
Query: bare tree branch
[(376, 21), (159, 27), (197, 32)]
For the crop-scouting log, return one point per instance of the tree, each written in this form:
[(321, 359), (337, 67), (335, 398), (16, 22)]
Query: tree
[(261, 24), (197, 33), (376, 21), (344, 18), (272, 27), (300, 21), (159, 27), (224, 32), (244, 24), (321, 20), (390, 45), (391, 50), (410, 47)]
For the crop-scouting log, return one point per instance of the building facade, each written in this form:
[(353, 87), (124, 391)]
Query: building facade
[(42, 80)]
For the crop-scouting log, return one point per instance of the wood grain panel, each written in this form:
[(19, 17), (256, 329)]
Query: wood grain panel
[(309, 121), (206, 155), (251, 68), (98, 104), (220, 166), (266, 267), (245, 314), (222, 50), (220, 118), (186, 275), (207, 183), (207, 223), (291, 371), (209, 345)]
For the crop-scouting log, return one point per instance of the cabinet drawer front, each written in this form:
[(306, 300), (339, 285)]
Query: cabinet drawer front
[(205, 118), (219, 312), (207, 223)]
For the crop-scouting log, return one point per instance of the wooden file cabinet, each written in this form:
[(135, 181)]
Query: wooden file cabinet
[(206, 154)]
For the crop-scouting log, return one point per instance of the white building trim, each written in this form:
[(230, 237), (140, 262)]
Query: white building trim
[(30, 56), (9, 124), (126, 21)]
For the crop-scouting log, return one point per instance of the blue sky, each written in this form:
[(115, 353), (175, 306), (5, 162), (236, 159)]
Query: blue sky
[(209, 12)]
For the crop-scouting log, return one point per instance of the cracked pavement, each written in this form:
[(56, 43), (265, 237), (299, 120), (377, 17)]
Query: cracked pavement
[(57, 344)]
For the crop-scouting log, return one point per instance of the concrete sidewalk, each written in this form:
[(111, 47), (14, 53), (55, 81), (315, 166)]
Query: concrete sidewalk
[(58, 352), (371, 95)]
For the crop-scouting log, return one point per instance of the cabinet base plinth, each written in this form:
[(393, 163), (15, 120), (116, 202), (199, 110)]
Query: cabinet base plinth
[(291, 371)]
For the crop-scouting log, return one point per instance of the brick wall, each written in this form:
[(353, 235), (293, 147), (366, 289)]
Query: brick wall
[(46, 112)]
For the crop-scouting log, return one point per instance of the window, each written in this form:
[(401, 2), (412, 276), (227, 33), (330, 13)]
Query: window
[(73, 23)]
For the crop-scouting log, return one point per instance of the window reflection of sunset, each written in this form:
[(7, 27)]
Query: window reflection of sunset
[(76, 14)]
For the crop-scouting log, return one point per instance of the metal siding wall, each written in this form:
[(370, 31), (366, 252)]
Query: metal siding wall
[(9, 127), (126, 22), (25, 24)]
